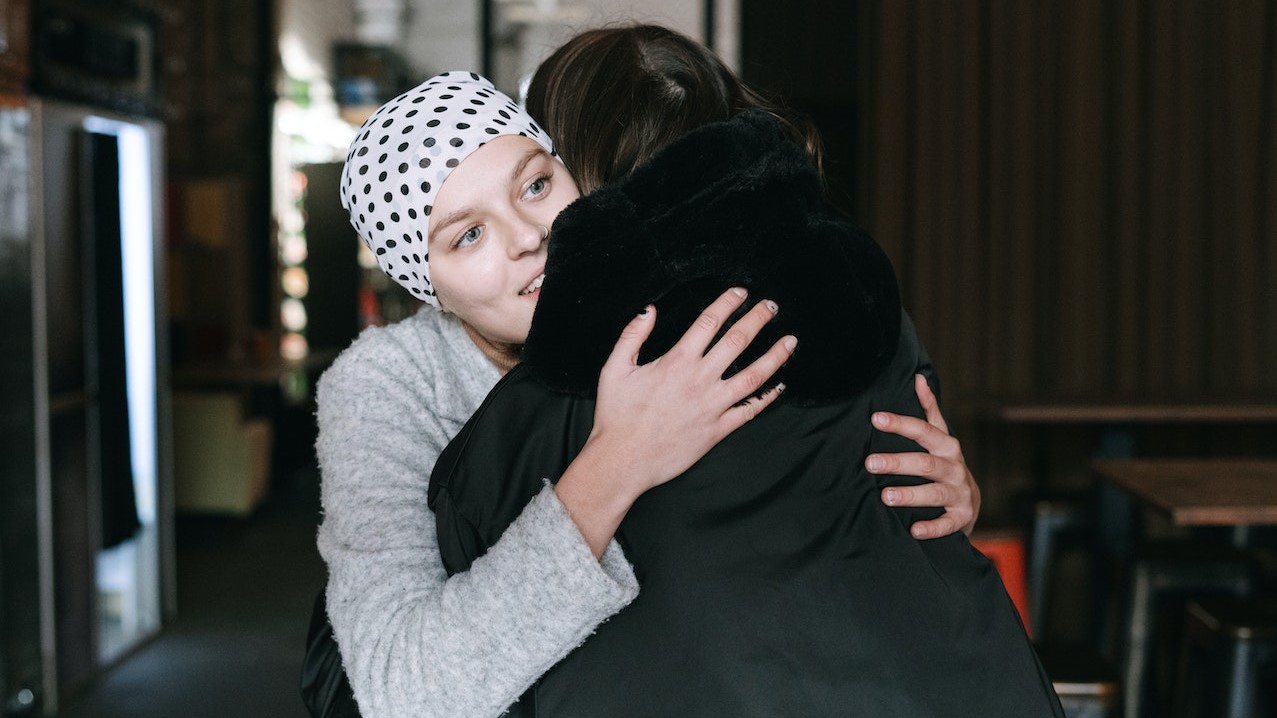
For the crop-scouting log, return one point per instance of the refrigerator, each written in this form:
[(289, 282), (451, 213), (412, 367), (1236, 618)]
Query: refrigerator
[(20, 632), (86, 554)]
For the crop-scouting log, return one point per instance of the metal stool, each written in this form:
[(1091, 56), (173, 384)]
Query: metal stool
[(1166, 576), (1055, 520), (1228, 642), (1086, 682)]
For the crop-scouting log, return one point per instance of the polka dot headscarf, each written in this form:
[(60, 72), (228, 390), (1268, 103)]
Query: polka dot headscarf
[(405, 151)]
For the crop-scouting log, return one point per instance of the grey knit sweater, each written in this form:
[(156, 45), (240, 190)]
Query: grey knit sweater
[(415, 642)]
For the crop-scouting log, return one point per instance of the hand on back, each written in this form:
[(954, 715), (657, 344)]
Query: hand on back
[(659, 418)]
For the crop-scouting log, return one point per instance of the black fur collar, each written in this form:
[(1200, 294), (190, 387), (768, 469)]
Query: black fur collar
[(732, 203)]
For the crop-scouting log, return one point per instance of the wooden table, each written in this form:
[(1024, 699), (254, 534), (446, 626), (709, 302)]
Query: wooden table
[(1117, 419), (1129, 412), (1200, 492), (1236, 493)]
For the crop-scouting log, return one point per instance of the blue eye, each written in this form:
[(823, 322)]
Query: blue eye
[(538, 186), (470, 236)]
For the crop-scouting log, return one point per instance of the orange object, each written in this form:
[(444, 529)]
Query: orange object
[(1006, 550)]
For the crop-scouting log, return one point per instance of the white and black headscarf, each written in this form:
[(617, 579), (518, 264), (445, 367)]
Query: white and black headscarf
[(405, 151)]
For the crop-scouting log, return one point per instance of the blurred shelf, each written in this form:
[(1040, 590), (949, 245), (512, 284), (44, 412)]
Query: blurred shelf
[(228, 374)]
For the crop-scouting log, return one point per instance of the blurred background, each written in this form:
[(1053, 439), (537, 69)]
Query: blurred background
[(1079, 199)]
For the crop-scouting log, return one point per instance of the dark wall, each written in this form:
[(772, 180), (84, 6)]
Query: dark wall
[(1078, 196), (804, 55), (219, 68)]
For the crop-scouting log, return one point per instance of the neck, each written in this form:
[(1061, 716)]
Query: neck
[(504, 356)]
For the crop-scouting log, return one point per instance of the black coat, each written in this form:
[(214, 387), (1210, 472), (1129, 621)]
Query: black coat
[(773, 580)]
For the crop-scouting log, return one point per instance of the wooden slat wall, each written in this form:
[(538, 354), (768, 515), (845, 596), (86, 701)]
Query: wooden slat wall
[(1078, 195)]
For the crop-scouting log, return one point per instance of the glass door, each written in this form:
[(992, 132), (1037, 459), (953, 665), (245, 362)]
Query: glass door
[(117, 219)]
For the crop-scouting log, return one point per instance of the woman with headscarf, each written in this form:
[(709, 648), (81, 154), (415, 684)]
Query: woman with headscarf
[(413, 641)]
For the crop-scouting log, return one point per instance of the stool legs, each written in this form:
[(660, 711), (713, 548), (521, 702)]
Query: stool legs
[(1240, 681), (1226, 644), (1166, 578), (1087, 684), (1053, 519)]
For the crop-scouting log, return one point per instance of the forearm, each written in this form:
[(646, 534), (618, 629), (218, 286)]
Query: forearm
[(596, 503), (414, 642), (471, 644)]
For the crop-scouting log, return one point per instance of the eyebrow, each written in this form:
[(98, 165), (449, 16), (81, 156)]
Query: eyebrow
[(464, 212)]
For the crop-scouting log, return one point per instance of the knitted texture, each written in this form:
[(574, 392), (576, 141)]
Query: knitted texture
[(414, 642)]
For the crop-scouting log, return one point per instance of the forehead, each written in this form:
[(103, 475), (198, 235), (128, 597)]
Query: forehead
[(486, 170)]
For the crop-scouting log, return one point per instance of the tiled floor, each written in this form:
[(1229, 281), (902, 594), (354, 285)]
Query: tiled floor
[(245, 590)]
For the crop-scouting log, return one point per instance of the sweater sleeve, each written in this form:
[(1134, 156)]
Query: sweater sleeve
[(415, 642)]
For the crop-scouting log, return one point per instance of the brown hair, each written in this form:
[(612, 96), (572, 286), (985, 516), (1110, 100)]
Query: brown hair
[(612, 97)]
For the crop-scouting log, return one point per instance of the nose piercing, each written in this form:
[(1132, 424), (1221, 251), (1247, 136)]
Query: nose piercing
[(545, 231)]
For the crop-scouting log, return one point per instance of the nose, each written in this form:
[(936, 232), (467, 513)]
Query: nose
[(529, 237)]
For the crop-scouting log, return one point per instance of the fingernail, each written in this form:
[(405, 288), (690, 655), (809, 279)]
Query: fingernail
[(918, 532), (890, 497), (780, 388), (646, 313), (879, 419), (772, 306), (790, 342), (740, 292), (877, 463)]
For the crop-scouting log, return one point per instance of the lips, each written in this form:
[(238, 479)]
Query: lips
[(534, 285)]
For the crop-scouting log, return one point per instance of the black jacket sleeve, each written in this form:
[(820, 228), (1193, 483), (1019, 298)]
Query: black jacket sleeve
[(520, 436)]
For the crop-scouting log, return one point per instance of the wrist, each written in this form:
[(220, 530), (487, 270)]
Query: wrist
[(593, 497)]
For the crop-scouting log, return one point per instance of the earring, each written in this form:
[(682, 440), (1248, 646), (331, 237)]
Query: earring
[(545, 231)]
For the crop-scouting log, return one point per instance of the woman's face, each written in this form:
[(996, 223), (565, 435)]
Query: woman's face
[(487, 252)]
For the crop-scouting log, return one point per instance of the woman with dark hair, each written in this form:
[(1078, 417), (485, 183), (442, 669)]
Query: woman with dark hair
[(773, 581), (616, 96), (613, 97)]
